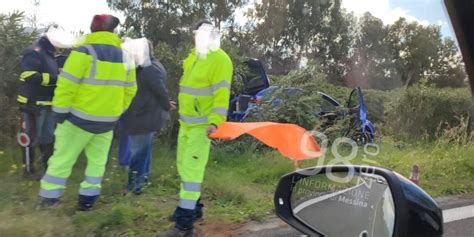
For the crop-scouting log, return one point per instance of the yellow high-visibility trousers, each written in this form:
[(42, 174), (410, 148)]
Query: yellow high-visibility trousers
[(70, 142), (192, 156)]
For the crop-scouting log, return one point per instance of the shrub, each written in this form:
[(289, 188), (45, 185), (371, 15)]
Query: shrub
[(378, 103), (13, 40), (455, 135), (422, 111), (302, 106)]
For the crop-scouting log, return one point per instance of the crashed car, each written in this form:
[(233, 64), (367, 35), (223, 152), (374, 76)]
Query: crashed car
[(329, 111)]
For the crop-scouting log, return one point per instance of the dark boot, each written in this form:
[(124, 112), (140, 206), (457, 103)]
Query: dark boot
[(47, 203), (198, 213), (175, 232), (85, 203), (184, 218)]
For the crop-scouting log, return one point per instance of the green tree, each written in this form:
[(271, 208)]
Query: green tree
[(170, 21), (286, 31), (14, 38), (447, 70), (371, 64), (159, 21), (414, 48), (403, 53)]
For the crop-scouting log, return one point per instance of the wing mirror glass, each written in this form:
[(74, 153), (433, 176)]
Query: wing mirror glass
[(356, 201), (347, 205)]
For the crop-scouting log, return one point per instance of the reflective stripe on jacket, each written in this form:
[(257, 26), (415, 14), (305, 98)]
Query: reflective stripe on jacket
[(205, 89), (96, 83), (39, 72)]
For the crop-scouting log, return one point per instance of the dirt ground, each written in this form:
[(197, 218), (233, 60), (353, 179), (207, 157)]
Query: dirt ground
[(219, 229)]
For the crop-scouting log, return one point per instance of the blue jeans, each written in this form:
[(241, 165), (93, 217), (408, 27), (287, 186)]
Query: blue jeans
[(140, 158), (124, 152), (40, 127)]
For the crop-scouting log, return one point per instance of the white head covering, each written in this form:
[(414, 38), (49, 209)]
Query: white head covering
[(59, 38), (138, 51), (206, 38)]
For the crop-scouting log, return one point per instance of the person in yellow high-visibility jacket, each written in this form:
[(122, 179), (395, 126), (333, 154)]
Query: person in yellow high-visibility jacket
[(203, 100), (95, 87)]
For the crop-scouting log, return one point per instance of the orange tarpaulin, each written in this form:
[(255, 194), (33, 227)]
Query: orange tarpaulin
[(292, 141)]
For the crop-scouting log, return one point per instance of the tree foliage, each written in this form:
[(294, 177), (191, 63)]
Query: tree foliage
[(346, 50), (419, 51), (351, 51), (14, 38), (286, 31), (171, 22), (371, 64), (404, 53)]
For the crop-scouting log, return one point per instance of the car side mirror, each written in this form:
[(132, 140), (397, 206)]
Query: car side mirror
[(356, 201)]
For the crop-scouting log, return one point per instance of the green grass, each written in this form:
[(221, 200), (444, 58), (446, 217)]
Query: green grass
[(238, 188)]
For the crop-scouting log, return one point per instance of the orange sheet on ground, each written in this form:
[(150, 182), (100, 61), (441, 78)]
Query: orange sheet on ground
[(291, 140)]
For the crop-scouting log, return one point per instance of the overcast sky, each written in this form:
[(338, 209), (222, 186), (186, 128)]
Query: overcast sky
[(73, 15), (76, 15)]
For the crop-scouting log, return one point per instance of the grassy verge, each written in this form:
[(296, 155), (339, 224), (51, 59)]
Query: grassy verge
[(238, 188)]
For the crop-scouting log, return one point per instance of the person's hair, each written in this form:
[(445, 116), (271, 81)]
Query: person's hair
[(200, 23)]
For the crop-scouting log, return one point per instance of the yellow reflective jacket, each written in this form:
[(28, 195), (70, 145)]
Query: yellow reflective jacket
[(204, 89), (96, 84)]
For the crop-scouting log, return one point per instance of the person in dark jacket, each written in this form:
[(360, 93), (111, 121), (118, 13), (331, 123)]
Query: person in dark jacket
[(39, 73), (147, 114)]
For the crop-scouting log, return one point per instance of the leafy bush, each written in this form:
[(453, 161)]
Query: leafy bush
[(303, 108), (378, 103), (422, 111), (455, 135), (303, 103), (13, 40)]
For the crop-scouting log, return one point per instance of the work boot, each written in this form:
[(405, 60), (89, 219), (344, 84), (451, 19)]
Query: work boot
[(47, 203), (85, 203), (175, 232), (84, 207), (199, 212), (197, 216)]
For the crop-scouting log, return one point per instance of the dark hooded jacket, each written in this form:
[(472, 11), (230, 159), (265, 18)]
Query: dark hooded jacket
[(39, 73), (149, 110)]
